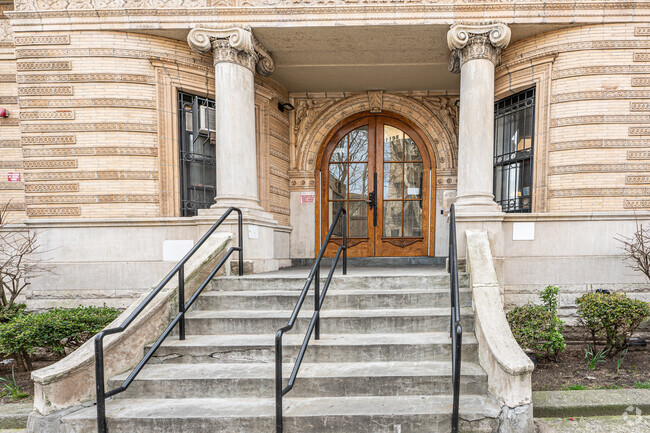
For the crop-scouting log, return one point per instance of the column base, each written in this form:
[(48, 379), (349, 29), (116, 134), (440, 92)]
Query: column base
[(476, 204), (258, 233)]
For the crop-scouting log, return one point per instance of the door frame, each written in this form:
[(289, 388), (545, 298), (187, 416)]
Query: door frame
[(431, 172)]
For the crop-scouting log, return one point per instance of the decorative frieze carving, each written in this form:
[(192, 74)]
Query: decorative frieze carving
[(601, 70), (600, 94), (84, 78), (470, 42), (6, 32), (637, 180), (51, 187), (7, 78), (307, 110), (9, 143), (301, 181), (9, 121), (61, 65), (48, 139), (42, 40), (50, 164), (280, 210), (90, 175), (642, 57), (639, 106), (53, 211), (640, 81), (10, 165), (599, 192), (47, 115), (593, 144), (232, 45), (13, 206), (279, 191), (642, 31), (376, 101), (89, 127), (638, 154), (600, 118), (86, 102), (279, 154), (636, 204), (89, 199), (4, 185), (282, 137), (446, 182), (639, 131), (8, 99), (599, 168), (90, 151), (45, 91), (279, 173)]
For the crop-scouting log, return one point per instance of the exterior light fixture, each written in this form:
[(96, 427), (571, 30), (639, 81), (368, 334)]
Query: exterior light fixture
[(3, 112), (285, 107)]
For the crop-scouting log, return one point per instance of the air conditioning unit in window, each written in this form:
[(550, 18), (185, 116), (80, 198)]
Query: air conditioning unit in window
[(207, 122)]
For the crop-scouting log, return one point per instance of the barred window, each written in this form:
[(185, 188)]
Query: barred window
[(514, 120), (197, 153)]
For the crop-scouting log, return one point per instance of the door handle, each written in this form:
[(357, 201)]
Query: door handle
[(372, 200)]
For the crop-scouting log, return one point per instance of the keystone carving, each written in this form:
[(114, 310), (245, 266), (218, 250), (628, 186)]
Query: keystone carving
[(471, 42), (233, 45)]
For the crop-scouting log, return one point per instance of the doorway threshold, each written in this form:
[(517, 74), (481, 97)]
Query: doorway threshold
[(383, 262)]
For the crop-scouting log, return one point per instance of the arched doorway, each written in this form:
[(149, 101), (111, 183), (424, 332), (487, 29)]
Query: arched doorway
[(380, 169)]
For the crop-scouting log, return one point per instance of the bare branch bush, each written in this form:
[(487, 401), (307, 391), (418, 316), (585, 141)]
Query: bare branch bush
[(637, 248), (19, 259)]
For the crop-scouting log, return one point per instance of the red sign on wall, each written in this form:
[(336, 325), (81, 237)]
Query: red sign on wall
[(307, 197), (13, 177)]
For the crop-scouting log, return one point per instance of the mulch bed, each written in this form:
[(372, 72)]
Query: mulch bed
[(23, 378), (571, 369)]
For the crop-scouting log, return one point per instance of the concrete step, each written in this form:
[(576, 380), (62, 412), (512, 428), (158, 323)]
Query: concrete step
[(432, 346), (352, 281), (203, 322), (406, 414), (351, 299), (253, 380)]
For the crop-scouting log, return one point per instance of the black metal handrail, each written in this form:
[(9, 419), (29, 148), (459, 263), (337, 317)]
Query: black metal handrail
[(455, 330), (280, 392), (179, 319)]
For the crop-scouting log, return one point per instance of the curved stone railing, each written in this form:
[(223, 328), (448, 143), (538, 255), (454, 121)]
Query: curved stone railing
[(508, 368), (70, 382)]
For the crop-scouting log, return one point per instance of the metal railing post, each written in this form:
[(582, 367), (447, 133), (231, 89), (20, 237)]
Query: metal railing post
[(181, 302), (345, 242), (317, 301), (99, 386), (278, 382), (240, 233)]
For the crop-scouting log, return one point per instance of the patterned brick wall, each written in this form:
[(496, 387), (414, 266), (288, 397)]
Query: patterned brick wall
[(596, 130)]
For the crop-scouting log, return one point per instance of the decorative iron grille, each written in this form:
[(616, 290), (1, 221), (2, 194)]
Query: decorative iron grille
[(514, 132), (197, 153)]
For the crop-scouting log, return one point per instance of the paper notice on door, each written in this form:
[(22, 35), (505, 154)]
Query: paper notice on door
[(412, 191)]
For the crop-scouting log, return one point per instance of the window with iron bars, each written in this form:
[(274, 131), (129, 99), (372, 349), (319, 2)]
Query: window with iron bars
[(514, 120), (197, 153)]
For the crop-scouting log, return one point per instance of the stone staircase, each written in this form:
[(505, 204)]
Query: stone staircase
[(383, 363)]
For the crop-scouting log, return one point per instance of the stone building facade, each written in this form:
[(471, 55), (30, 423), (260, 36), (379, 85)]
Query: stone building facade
[(90, 152)]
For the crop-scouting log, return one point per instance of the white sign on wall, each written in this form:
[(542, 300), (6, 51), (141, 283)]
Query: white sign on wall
[(175, 250), (253, 232), (523, 231)]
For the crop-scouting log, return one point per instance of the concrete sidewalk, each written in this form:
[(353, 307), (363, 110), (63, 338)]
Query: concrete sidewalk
[(604, 424)]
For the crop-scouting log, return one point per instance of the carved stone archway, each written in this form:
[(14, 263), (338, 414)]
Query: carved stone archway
[(436, 116)]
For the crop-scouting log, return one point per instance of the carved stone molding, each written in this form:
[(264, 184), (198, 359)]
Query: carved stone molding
[(6, 32), (471, 42), (232, 45), (376, 101)]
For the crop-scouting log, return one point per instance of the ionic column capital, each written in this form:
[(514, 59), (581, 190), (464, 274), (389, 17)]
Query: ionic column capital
[(470, 42), (232, 45)]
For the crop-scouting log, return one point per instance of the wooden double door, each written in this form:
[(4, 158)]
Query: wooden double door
[(379, 169)]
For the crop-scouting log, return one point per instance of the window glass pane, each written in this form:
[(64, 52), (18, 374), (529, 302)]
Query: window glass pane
[(358, 219), (338, 181), (413, 180), (498, 136), (340, 153), (392, 218), (529, 128), (413, 218), (411, 151), (393, 180), (358, 140), (358, 181), (393, 144), (334, 208)]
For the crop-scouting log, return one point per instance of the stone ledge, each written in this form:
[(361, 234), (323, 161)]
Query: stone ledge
[(555, 404)]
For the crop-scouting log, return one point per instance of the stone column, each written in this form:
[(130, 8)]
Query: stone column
[(475, 51), (237, 56)]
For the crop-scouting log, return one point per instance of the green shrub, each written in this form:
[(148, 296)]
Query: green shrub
[(7, 314), (537, 328), (56, 331), (611, 317)]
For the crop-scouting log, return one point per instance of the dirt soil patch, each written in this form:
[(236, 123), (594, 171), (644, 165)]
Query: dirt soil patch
[(23, 378), (570, 370)]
